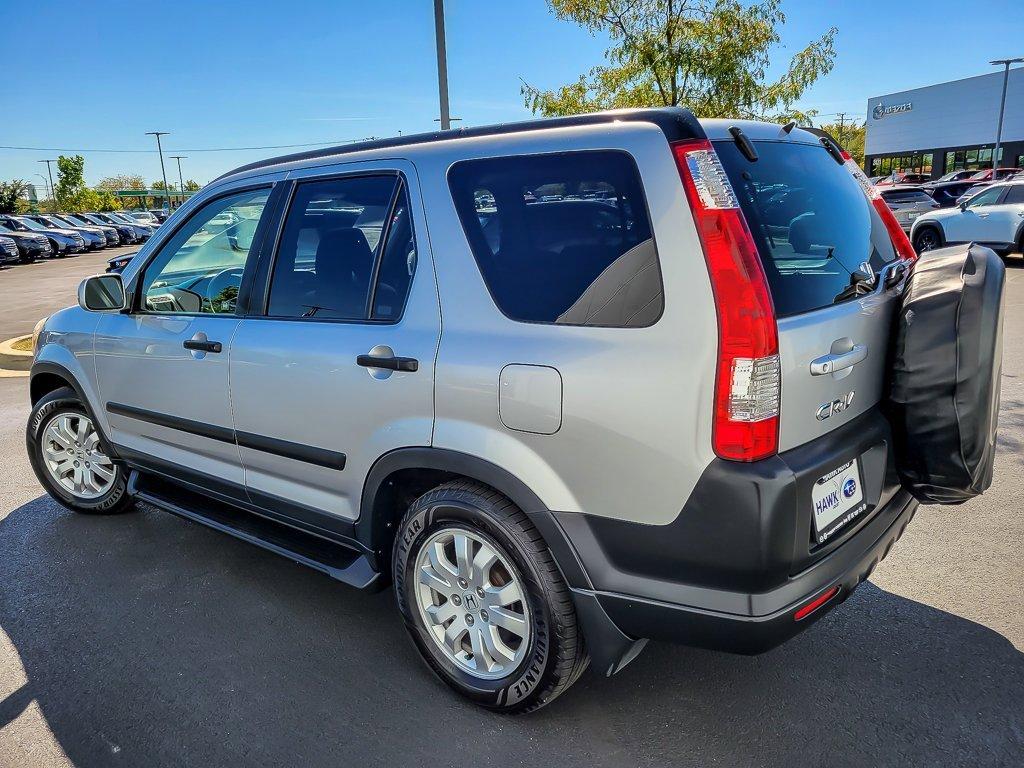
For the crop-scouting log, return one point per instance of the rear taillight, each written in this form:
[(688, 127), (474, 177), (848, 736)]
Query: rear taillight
[(748, 379), (899, 238)]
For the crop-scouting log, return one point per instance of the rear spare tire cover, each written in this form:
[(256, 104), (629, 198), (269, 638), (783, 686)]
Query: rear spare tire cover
[(947, 361)]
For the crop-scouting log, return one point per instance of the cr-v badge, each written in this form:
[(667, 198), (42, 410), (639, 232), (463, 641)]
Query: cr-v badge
[(836, 406)]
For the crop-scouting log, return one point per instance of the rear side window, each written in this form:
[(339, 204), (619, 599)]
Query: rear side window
[(1015, 196), (562, 238), (811, 221)]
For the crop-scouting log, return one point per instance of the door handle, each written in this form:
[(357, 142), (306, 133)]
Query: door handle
[(826, 364), (198, 345), (408, 364), (982, 215)]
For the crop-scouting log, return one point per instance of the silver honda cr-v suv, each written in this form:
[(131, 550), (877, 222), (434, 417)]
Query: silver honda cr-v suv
[(566, 385)]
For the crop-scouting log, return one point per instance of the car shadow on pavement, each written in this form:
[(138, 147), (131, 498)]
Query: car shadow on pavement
[(148, 640)]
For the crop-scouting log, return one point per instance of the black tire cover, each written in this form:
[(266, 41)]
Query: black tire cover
[(947, 362)]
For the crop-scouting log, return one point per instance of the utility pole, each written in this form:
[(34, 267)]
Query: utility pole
[(163, 171), (842, 127), (181, 183), (53, 192), (1002, 106), (442, 64)]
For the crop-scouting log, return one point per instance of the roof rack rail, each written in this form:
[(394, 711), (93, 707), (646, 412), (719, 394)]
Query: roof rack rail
[(676, 123)]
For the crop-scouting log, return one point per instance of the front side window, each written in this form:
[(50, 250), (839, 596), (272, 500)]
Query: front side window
[(562, 238), (989, 196), (339, 234), (199, 270)]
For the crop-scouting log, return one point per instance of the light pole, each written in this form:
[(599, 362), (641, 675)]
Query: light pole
[(1002, 106), (442, 64), (163, 171), (53, 192), (181, 182), (46, 192)]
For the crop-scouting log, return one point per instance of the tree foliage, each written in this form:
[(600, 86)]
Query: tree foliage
[(10, 193), (850, 137), (122, 181), (712, 56), (192, 186), (72, 194)]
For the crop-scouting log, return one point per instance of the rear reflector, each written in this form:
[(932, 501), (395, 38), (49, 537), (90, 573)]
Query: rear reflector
[(748, 379), (815, 604), (899, 238)]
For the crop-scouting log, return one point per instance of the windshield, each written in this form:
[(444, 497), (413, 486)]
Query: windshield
[(31, 224), (811, 221), (15, 225), (76, 220), (4, 230)]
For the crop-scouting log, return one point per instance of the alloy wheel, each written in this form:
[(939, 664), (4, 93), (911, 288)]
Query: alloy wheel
[(73, 456), (472, 602)]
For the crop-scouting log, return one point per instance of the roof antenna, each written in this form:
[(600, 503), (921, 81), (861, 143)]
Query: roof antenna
[(788, 127)]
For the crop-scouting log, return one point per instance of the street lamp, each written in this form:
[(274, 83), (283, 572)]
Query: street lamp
[(53, 192), (1002, 106), (442, 64), (181, 182), (46, 191), (159, 149)]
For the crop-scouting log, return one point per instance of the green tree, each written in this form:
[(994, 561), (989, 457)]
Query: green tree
[(10, 194), (709, 55), (192, 186), (69, 189), (107, 200), (850, 137), (122, 181)]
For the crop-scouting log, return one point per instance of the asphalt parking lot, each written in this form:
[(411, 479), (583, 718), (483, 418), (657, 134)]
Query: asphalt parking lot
[(145, 640)]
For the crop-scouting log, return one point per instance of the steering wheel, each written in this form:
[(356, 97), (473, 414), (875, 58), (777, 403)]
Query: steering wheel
[(226, 278)]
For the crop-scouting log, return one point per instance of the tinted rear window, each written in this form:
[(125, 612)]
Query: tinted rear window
[(561, 238), (906, 196), (811, 221)]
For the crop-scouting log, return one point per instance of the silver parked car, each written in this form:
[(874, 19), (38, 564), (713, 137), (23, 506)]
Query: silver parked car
[(907, 203), (564, 385)]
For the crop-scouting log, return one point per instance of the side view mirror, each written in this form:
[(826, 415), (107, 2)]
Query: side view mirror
[(102, 293), (962, 206)]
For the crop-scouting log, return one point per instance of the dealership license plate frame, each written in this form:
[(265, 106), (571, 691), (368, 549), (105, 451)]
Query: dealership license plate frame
[(831, 509)]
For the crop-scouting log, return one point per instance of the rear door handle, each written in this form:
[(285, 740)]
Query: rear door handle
[(408, 364), (820, 366), (198, 345)]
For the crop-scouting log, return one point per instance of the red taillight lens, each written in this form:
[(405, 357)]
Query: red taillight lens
[(815, 604), (899, 238), (748, 379)]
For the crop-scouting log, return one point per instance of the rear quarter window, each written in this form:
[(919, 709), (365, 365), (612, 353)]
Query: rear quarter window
[(812, 223), (562, 238)]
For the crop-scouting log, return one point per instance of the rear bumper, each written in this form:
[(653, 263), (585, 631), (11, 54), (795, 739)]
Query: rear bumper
[(740, 559), (755, 632)]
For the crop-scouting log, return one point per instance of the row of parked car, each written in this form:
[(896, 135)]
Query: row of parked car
[(912, 196), (25, 238)]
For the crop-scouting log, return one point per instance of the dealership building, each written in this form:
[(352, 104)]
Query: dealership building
[(946, 127)]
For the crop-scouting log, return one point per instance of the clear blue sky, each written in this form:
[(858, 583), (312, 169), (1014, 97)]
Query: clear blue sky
[(95, 75)]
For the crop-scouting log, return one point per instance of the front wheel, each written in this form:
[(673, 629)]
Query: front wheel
[(67, 455), (484, 601)]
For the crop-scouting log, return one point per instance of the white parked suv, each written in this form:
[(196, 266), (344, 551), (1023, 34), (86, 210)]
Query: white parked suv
[(564, 385), (993, 217)]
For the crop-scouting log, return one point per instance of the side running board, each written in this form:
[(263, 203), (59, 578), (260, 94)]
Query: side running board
[(337, 561)]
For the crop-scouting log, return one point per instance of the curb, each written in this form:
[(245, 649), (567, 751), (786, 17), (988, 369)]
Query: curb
[(14, 361)]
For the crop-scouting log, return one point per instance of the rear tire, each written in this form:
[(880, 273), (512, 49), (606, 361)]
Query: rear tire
[(66, 451), (528, 650), (927, 238)]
